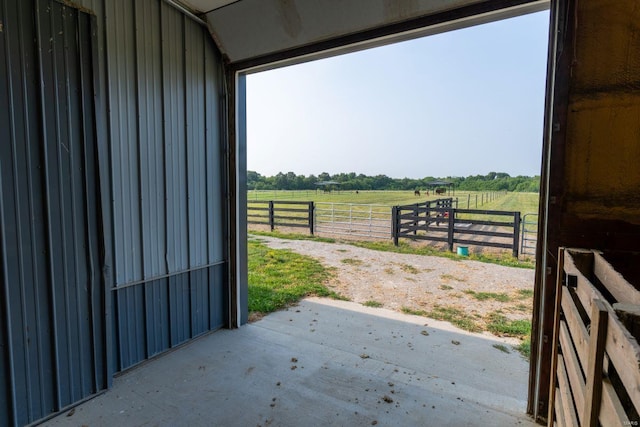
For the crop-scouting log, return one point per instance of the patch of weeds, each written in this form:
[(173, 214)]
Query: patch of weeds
[(372, 303), (446, 287), (522, 307), (450, 277), (341, 250), (483, 296), (500, 325), (525, 293), (503, 259), (280, 277), (292, 236), (406, 248), (525, 348), (503, 348), (407, 310), (351, 261), (389, 270), (407, 268), (456, 317)]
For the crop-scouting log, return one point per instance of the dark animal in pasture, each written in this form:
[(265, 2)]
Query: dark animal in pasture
[(440, 190), (416, 193)]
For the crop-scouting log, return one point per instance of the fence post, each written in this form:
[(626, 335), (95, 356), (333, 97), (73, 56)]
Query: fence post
[(417, 221), (272, 222), (516, 233), (450, 230), (350, 217), (394, 225), (468, 201), (312, 212), (476, 201)]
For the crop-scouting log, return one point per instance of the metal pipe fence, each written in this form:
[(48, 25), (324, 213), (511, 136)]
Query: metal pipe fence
[(353, 219)]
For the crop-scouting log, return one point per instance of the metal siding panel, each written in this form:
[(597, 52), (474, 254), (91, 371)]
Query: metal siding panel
[(180, 309), (43, 213), (175, 155), (22, 242), (169, 73), (214, 155), (79, 288), (194, 70), (149, 59), (217, 296), (121, 56), (99, 57), (62, 218), (157, 313), (131, 337), (13, 383), (199, 301), (49, 147), (94, 335), (6, 383)]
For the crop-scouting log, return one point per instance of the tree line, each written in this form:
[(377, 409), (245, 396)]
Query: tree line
[(493, 181)]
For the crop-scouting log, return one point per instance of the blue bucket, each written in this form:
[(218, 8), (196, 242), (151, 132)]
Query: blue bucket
[(463, 250)]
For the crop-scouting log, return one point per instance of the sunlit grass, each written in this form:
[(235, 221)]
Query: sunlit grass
[(280, 277), (372, 303), (483, 296)]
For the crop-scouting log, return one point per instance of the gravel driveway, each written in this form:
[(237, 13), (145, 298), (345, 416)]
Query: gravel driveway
[(419, 283)]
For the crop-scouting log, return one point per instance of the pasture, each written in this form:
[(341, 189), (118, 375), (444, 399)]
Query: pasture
[(521, 202)]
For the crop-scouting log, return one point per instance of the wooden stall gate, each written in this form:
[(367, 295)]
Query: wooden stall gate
[(596, 359)]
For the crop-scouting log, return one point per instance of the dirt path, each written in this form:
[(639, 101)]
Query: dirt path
[(420, 283)]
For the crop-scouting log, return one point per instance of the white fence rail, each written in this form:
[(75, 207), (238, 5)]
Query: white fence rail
[(353, 219), (529, 234)]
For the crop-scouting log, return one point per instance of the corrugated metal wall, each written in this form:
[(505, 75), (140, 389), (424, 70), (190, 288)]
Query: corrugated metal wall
[(163, 80), (90, 288), (52, 338)]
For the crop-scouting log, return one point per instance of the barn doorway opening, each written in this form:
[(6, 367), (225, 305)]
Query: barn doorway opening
[(464, 107)]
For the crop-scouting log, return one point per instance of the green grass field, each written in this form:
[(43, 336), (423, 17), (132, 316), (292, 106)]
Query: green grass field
[(523, 202)]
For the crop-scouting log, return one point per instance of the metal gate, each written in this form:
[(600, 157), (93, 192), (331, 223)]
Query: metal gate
[(529, 234), (352, 219), (52, 333)]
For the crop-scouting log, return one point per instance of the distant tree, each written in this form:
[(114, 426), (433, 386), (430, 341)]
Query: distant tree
[(493, 181)]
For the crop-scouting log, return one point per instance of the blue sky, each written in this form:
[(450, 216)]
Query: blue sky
[(461, 103)]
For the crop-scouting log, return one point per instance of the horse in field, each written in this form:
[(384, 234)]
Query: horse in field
[(416, 193), (440, 191)]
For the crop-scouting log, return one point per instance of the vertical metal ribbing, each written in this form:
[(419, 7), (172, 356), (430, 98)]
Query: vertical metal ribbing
[(186, 166), (63, 240), (20, 265), (5, 287), (48, 220), (208, 225), (9, 373), (140, 190), (166, 177), (72, 139), (87, 141)]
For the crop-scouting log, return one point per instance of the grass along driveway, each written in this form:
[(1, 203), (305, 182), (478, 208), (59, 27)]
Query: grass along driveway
[(474, 296)]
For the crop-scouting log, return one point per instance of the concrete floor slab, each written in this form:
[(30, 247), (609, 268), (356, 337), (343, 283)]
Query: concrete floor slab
[(321, 363)]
